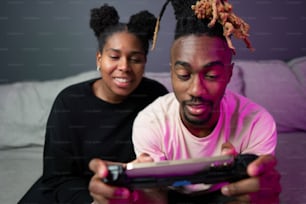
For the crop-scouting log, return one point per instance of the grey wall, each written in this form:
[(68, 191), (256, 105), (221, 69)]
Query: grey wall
[(50, 39)]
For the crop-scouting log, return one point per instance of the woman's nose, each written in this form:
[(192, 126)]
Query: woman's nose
[(123, 64)]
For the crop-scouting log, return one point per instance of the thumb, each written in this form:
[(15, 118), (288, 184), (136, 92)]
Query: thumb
[(228, 149), (144, 157), (262, 164), (98, 167)]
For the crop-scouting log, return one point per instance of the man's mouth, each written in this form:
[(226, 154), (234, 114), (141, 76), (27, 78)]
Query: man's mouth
[(197, 109)]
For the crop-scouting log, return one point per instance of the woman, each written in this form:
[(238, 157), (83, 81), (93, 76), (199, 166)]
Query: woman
[(93, 119)]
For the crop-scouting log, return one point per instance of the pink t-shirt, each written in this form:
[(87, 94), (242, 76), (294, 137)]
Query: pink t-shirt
[(159, 131)]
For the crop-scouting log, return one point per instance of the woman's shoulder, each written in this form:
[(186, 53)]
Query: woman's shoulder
[(83, 87)]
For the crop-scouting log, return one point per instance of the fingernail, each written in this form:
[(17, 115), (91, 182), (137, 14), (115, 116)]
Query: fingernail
[(228, 190), (225, 190), (226, 151)]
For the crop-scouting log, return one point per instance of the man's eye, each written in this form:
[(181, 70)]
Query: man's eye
[(183, 76), (211, 77)]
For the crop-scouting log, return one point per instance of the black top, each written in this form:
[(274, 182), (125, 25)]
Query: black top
[(81, 127)]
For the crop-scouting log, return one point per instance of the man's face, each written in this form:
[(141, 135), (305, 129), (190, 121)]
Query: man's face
[(200, 70)]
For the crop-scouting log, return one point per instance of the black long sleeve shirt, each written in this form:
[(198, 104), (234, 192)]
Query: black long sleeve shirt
[(81, 127)]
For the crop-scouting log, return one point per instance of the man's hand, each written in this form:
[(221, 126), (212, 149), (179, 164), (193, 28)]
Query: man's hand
[(262, 187)]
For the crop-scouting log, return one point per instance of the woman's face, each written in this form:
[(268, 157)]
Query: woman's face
[(122, 62)]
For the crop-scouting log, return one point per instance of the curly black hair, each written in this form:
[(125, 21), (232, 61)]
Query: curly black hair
[(104, 22), (187, 22)]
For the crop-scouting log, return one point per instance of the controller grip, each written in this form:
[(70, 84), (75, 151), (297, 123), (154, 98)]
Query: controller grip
[(239, 169), (216, 174)]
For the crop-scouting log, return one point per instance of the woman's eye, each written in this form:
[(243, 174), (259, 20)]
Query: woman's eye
[(113, 57), (135, 60)]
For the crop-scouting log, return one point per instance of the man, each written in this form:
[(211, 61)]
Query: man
[(202, 119)]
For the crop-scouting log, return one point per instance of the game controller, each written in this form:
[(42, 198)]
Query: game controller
[(178, 173)]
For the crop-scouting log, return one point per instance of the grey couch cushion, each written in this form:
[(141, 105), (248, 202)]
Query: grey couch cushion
[(19, 169)]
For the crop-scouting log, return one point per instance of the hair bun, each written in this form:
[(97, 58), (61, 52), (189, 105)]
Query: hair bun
[(143, 23), (103, 17)]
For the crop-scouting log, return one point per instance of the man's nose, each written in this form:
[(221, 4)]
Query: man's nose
[(197, 86)]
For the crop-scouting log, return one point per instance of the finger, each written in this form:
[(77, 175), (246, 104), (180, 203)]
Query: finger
[(101, 190), (269, 183), (101, 200), (243, 199), (241, 187), (99, 167), (144, 157), (228, 149), (262, 164), (98, 199), (266, 186), (97, 187)]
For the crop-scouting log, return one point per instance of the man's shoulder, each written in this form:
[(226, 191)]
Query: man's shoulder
[(235, 99), (240, 104), (166, 100), (163, 104), (159, 113)]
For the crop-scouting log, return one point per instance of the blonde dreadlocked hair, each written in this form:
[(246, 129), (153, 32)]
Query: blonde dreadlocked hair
[(221, 11), (209, 17)]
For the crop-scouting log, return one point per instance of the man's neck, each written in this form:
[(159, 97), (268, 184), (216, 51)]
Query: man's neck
[(204, 129)]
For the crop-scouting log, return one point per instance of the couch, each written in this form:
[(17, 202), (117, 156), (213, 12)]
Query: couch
[(277, 85)]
